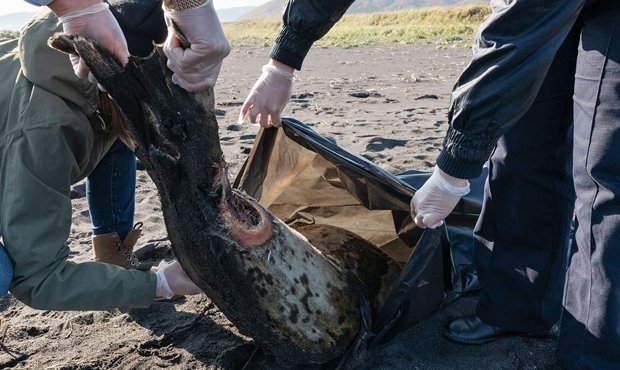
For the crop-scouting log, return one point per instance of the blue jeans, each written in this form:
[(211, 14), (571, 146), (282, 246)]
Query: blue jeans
[(110, 190), (6, 271)]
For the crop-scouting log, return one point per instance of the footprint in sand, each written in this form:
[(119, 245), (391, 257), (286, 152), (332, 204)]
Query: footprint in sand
[(34, 331), (378, 144), (374, 157), (235, 127), (247, 137), (427, 96)]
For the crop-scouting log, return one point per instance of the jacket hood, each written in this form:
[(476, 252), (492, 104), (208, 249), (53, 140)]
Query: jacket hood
[(51, 69)]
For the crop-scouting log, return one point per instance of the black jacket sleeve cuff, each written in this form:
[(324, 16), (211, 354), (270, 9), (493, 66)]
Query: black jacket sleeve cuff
[(464, 153), (290, 48), (457, 167)]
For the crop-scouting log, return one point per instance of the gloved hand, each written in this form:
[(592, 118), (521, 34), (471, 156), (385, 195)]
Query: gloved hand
[(198, 66), (172, 280), (269, 96), (98, 23), (437, 198)]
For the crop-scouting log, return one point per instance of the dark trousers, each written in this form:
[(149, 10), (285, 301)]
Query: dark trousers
[(521, 238), (522, 234), (110, 190), (590, 336)]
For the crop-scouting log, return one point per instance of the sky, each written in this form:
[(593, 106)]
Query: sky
[(16, 6)]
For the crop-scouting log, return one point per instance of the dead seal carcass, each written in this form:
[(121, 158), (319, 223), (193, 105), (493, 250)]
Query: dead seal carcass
[(264, 276)]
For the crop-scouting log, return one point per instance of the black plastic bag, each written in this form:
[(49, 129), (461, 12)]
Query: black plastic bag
[(304, 178)]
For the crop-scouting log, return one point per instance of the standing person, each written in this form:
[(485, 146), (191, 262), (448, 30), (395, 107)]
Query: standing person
[(515, 102), (54, 130)]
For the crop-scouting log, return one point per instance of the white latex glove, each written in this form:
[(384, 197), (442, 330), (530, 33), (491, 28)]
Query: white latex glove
[(97, 23), (268, 97), (437, 198), (197, 67), (172, 280)]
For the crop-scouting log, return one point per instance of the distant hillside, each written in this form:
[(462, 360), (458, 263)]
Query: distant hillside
[(270, 10), (14, 21), (233, 14), (273, 9)]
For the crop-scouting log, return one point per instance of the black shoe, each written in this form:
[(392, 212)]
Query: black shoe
[(471, 330), (140, 165)]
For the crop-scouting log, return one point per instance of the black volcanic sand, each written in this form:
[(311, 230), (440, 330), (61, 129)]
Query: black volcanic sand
[(388, 104)]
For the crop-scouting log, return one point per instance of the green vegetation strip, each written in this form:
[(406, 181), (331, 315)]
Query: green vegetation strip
[(439, 25)]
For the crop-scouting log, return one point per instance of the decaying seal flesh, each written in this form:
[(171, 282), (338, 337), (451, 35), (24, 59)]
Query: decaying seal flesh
[(265, 277)]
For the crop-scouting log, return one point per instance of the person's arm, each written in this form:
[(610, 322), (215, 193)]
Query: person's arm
[(303, 23), (35, 219), (512, 54)]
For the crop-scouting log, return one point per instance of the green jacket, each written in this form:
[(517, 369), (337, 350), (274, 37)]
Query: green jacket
[(51, 137)]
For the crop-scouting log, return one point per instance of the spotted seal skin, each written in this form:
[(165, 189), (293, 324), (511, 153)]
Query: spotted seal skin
[(264, 276)]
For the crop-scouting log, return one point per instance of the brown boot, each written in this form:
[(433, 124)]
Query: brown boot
[(108, 248)]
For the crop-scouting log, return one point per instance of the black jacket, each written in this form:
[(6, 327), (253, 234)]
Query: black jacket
[(511, 55), (304, 22)]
